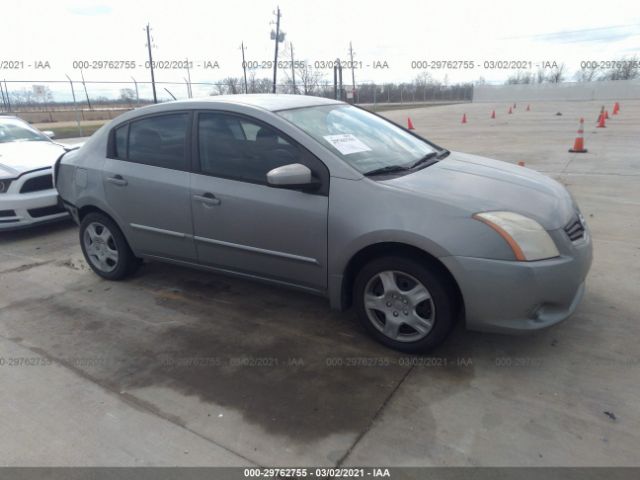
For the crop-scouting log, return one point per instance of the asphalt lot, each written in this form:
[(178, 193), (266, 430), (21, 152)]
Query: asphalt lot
[(179, 367)]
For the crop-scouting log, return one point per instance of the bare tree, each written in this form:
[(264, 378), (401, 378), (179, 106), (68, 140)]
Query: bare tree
[(623, 69), (228, 86), (521, 78), (556, 75), (309, 79), (258, 85), (589, 73), (127, 95)]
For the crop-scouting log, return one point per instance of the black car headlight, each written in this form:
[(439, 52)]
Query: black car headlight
[(4, 185)]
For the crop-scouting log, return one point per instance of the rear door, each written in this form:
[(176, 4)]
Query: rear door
[(146, 180), (244, 225)]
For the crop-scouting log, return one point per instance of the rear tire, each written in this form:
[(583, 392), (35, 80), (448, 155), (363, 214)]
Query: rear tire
[(403, 304), (105, 248)]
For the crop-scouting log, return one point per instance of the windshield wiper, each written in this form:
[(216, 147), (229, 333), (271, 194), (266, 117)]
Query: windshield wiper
[(426, 161), (442, 154), (423, 160), (387, 169)]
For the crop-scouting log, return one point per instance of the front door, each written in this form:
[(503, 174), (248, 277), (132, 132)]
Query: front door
[(242, 224)]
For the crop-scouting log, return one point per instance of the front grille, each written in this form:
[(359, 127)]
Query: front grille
[(7, 213), (44, 211), (575, 229), (35, 184)]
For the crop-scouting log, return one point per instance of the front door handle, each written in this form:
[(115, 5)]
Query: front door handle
[(208, 199), (117, 180)]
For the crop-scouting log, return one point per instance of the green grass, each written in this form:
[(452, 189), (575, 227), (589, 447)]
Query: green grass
[(72, 131)]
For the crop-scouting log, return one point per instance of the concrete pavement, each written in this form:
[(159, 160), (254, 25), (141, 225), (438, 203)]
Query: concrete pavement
[(237, 373)]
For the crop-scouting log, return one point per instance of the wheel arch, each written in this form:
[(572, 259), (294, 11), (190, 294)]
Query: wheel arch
[(376, 250), (92, 208)]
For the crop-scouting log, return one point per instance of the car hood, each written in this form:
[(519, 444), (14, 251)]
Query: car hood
[(20, 157), (476, 184)]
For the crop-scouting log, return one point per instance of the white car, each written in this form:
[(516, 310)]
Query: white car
[(27, 156)]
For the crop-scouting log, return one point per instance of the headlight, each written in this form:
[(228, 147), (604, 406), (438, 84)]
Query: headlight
[(526, 237), (4, 185)]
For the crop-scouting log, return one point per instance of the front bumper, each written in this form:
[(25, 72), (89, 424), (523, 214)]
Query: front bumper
[(511, 297), (20, 210)]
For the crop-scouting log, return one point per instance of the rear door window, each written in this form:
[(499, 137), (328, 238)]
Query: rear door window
[(160, 141)]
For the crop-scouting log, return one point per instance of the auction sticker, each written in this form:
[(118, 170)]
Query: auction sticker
[(346, 143)]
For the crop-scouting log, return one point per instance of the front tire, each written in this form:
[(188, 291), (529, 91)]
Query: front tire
[(404, 304), (105, 248)]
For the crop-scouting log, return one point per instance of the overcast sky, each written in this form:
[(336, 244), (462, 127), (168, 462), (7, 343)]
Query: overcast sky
[(397, 32)]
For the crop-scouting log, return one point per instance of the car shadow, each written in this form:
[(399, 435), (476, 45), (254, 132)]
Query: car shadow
[(38, 230)]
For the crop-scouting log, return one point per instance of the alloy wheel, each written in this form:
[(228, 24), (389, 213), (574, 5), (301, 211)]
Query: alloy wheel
[(399, 306), (100, 247)]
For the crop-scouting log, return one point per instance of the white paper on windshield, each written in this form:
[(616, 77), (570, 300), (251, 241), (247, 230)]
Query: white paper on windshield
[(346, 143)]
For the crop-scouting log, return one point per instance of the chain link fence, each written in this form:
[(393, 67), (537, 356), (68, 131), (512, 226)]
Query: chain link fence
[(77, 104)]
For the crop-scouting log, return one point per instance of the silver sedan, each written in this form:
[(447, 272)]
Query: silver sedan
[(325, 197)]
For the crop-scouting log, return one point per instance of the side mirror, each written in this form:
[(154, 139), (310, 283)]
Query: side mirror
[(294, 176), (49, 133)]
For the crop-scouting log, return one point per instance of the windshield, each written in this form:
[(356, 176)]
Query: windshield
[(365, 141), (14, 130)]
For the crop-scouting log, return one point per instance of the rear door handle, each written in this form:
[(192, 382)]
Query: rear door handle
[(208, 199), (117, 180)]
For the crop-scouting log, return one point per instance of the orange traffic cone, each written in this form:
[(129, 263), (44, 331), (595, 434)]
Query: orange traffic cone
[(601, 122), (578, 144), (493, 114), (606, 114), (528, 108), (616, 108), (410, 124), (510, 111), (521, 163), (464, 118)]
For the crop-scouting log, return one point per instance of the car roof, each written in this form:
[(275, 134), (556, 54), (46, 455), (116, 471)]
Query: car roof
[(267, 101)]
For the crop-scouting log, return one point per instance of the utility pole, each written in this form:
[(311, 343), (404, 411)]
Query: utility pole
[(293, 70), (278, 37), (153, 79), (353, 75), (244, 68)]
